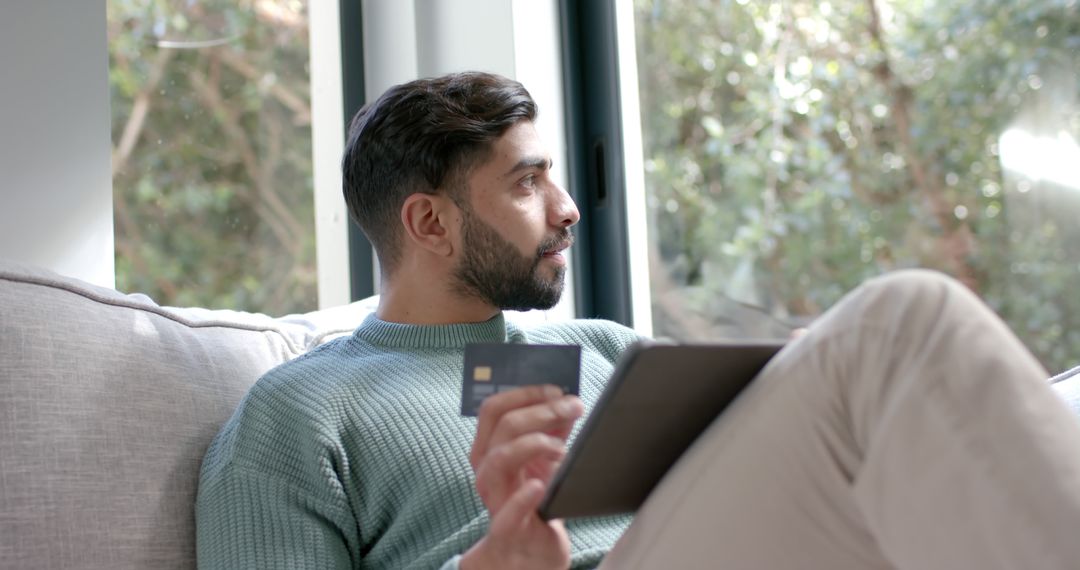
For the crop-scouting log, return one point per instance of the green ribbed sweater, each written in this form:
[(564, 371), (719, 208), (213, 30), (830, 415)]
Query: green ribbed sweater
[(355, 455)]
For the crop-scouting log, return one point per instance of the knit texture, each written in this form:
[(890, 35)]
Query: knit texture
[(355, 455)]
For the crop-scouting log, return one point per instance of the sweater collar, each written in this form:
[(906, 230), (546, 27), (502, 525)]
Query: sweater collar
[(380, 332)]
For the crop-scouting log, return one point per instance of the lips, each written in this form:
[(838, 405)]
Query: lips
[(558, 249)]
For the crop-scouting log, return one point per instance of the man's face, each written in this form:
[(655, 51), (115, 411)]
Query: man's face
[(515, 224)]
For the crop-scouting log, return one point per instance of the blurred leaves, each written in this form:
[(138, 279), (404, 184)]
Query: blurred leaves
[(212, 153), (794, 149)]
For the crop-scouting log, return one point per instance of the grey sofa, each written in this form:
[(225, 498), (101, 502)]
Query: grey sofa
[(107, 404)]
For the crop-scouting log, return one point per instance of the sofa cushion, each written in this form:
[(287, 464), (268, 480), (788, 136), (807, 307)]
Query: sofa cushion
[(107, 404), (1067, 385)]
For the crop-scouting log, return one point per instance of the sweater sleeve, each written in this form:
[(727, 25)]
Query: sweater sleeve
[(246, 519)]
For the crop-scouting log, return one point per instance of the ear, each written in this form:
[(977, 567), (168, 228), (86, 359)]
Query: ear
[(426, 219)]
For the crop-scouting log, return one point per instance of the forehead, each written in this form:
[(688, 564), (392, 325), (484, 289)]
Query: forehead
[(519, 148)]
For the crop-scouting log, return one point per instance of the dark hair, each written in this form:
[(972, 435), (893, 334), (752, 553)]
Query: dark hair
[(423, 136)]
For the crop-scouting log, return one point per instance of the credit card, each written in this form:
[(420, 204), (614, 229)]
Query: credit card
[(493, 368)]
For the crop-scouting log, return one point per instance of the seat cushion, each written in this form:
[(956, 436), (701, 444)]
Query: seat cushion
[(107, 404), (1067, 385)]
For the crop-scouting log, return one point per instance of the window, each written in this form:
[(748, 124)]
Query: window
[(794, 148), (212, 152)]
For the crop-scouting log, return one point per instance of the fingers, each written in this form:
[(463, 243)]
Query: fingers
[(494, 407), (519, 510), (518, 538), (501, 472), (509, 415), (521, 435), (555, 417)]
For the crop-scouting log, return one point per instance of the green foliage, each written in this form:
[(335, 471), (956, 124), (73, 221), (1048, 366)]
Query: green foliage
[(795, 148), (212, 153)]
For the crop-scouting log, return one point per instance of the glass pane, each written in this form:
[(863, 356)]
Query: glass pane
[(212, 167), (795, 148)]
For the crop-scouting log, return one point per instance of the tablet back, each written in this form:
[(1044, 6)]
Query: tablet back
[(658, 400)]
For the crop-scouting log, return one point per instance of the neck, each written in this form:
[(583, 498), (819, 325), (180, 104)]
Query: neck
[(425, 300)]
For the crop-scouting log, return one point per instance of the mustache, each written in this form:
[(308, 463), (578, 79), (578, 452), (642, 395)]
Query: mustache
[(559, 241)]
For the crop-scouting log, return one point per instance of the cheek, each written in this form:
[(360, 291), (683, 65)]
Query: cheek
[(533, 225), (524, 221), (521, 237)]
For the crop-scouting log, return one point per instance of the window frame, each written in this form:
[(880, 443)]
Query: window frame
[(605, 161)]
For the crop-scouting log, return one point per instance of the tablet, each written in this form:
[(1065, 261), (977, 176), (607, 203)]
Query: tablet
[(659, 398)]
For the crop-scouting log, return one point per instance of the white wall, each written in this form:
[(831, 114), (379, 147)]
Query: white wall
[(55, 171), (465, 35)]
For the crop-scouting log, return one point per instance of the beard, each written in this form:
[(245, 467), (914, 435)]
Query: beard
[(494, 271)]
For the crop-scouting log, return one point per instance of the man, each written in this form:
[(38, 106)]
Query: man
[(908, 428)]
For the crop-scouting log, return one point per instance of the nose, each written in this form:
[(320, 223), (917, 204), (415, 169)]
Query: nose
[(564, 212)]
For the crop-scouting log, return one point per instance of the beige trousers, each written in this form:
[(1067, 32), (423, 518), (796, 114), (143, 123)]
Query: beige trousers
[(908, 429)]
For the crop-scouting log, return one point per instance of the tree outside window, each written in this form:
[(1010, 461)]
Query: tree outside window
[(795, 148), (211, 125)]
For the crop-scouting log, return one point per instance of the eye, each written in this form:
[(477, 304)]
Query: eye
[(528, 181)]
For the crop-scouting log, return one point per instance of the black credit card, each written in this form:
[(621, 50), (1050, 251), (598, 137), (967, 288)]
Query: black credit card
[(493, 368)]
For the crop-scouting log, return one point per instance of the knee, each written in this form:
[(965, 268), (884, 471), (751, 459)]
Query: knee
[(914, 295), (919, 283)]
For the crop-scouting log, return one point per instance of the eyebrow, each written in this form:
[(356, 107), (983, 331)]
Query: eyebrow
[(541, 162)]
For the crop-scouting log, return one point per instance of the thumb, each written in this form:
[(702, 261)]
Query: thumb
[(519, 508)]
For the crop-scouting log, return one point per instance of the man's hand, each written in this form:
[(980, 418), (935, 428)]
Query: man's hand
[(518, 539), (521, 435), (520, 441)]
